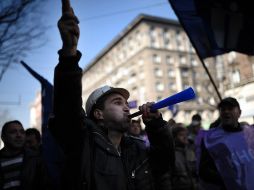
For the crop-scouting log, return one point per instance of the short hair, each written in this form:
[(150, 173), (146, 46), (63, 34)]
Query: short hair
[(229, 101), (34, 131), (136, 121), (7, 124), (196, 117), (98, 105), (177, 129)]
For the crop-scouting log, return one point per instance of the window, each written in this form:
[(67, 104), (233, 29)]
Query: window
[(140, 62), (166, 38), (178, 39), (172, 86), (231, 57), (158, 72), (156, 58), (169, 60), (159, 86), (152, 31), (200, 100), (182, 59), (198, 88), (153, 37), (184, 72), (236, 76), (194, 62), (212, 101), (133, 74), (171, 73)]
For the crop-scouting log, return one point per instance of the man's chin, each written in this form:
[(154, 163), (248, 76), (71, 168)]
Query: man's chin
[(125, 127)]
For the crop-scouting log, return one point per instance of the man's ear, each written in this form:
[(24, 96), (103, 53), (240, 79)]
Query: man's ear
[(240, 112), (98, 114), (3, 139)]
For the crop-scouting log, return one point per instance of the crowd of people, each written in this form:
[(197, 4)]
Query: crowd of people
[(104, 149)]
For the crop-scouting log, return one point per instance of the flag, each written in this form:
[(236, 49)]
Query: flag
[(46, 95), (216, 27), (52, 152), (173, 109), (133, 104)]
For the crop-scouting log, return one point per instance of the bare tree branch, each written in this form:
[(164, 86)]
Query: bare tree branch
[(20, 28)]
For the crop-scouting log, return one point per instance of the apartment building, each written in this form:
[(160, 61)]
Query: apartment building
[(153, 58), (35, 112)]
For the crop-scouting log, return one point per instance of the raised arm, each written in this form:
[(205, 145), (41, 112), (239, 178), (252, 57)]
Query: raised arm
[(69, 30), (161, 141), (67, 83)]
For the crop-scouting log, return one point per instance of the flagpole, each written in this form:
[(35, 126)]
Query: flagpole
[(209, 75)]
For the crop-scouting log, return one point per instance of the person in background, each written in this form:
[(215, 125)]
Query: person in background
[(227, 160), (194, 127), (136, 131), (33, 139), (184, 176), (171, 122), (20, 168)]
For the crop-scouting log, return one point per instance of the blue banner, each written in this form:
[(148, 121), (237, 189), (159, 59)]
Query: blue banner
[(52, 152), (216, 27)]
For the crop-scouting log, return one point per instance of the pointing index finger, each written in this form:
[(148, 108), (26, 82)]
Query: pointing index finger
[(66, 6)]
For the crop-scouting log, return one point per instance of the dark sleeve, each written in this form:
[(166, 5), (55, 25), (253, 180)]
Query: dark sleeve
[(207, 169), (45, 182), (68, 116), (162, 156)]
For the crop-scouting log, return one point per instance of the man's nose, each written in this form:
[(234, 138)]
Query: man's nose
[(19, 134), (126, 108)]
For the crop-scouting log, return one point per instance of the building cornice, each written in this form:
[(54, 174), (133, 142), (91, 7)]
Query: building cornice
[(139, 19)]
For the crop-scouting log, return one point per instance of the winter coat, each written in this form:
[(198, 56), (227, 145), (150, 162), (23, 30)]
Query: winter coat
[(34, 174), (91, 161)]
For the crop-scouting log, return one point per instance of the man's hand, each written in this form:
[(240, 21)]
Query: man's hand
[(147, 115), (69, 30)]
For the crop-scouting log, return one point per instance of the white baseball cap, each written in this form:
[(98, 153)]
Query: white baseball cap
[(99, 92)]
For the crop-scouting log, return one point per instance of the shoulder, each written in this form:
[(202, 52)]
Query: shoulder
[(135, 139), (137, 142)]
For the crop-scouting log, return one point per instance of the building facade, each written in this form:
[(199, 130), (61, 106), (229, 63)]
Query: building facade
[(154, 59), (35, 112)]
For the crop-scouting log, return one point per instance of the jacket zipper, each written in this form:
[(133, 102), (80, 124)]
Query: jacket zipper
[(133, 173)]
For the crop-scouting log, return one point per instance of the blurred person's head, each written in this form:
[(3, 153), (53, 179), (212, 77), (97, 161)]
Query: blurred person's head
[(135, 128), (33, 138), (180, 135), (13, 135), (229, 110), (171, 122), (196, 123), (108, 107)]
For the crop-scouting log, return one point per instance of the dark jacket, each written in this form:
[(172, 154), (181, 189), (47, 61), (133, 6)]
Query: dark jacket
[(91, 161), (184, 176), (34, 174)]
